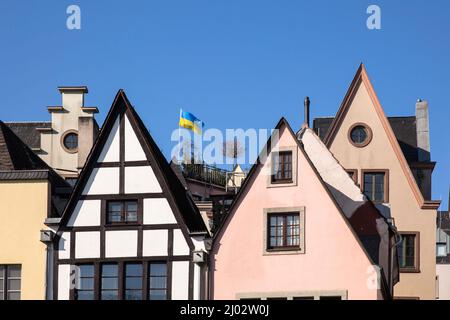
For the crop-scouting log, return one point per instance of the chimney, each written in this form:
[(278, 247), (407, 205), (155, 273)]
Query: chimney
[(423, 131), (306, 104)]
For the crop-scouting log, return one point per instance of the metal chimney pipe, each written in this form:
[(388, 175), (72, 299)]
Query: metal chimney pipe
[(306, 104)]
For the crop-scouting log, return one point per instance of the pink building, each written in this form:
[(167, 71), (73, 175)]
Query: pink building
[(300, 228)]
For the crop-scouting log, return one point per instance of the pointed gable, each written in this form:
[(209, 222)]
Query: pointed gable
[(286, 133), (361, 103), (327, 236), (140, 169)]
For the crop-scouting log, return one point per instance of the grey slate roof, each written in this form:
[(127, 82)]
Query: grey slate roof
[(26, 131), (404, 129), (15, 154)]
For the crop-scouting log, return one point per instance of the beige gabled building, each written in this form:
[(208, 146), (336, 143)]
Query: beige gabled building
[(390, 160), (64, 142)]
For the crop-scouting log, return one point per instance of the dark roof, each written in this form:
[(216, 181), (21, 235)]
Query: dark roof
[(179, 173), (26, 131), (443, 221), (15, 154), (182, 200), (404, 129)]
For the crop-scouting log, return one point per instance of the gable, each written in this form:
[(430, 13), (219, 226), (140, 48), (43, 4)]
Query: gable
[(308, 191), (125, 162), (361, 106), (111, 150), (331, 248)]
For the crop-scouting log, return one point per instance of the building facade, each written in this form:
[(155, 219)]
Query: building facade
[(291, 234), (443, 254), (390, 160), (130, 229), (30, 193)]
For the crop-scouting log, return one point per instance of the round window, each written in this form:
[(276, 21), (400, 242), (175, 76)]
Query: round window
[(360, 135), (70, 142)]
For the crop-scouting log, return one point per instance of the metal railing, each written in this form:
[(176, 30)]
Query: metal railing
[(206, 173)]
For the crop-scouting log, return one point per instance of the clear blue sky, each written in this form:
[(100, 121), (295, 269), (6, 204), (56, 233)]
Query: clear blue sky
[(233, 63)]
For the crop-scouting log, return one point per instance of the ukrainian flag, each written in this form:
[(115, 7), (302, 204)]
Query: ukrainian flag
[(189, 121)]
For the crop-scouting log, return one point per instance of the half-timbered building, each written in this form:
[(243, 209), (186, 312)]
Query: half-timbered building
[(130, 229)]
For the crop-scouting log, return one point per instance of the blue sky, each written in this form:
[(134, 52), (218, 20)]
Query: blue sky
[(233, 63)]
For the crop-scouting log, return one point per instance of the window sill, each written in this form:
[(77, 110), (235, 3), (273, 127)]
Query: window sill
[(409, 270), (282, 182), (286, 251), (122, 224)]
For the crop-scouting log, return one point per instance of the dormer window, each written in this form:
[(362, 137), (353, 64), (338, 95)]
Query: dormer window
[(120, 212)]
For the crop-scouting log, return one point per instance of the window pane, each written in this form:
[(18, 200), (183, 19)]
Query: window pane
[(85, 295), (158, 282), (109, 295), (86, 283), (133, 274), (1, 295), (109, 270), (133, 283), (115, 206), (14, 285), (131, 216), (109, 283), (14, 271), (2, 272), (133, 295), (131, 206), (86, 271), (158, 269), (157, 295), (406, 251), (441, 250), (133, 270), (13, 295)]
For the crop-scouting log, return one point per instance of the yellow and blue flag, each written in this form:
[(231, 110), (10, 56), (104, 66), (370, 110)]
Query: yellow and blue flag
[(189, 121)]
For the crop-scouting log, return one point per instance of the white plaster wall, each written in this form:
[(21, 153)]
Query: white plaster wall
[(121, 244), (180, 246), (64, 246), (141, 180), (87, 244), (155, 243), (133, 148), (111, 150), (180, 280), (103, 181), (158, 211), (197, 281), (86, 213), (443, 273), (64, 282), (199, 243)]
